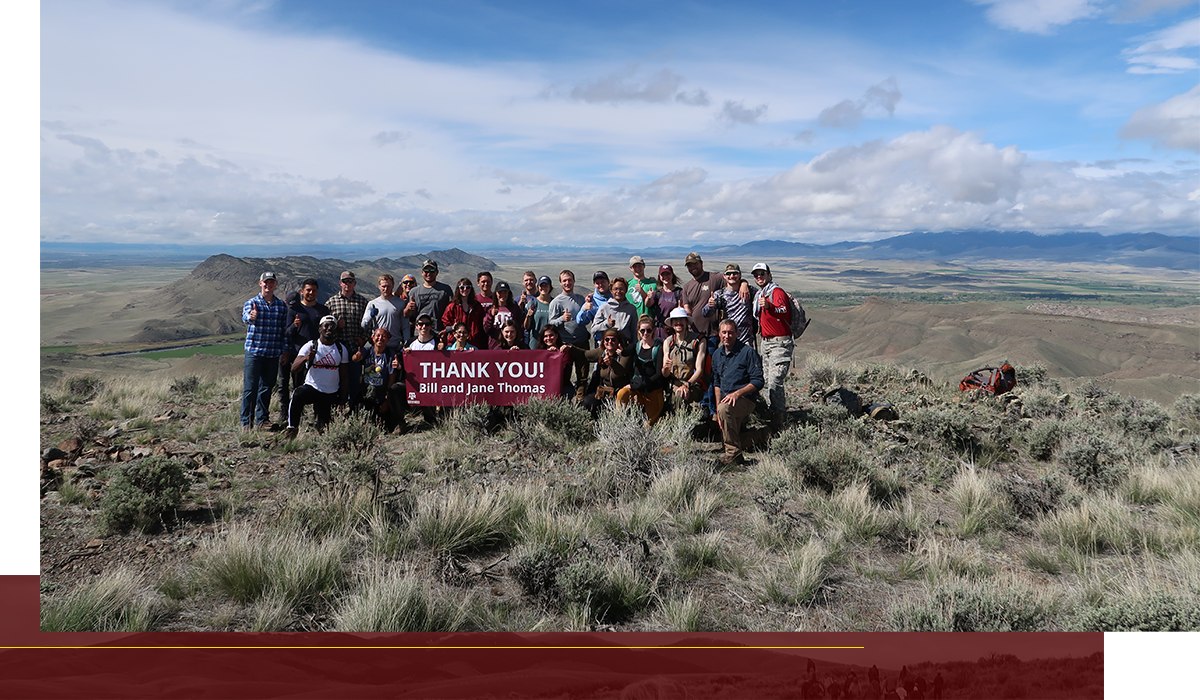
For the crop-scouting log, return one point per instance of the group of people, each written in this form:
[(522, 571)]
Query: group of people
[(715, 340)]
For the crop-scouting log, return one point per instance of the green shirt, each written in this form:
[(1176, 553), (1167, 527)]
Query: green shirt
[(638, 291)]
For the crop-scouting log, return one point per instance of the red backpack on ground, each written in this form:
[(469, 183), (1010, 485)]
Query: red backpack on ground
[(993, 380)]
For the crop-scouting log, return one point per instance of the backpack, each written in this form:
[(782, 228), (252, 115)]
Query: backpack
[(993, 380), (799, 320)]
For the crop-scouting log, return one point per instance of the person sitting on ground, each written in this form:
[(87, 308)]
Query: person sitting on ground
[(425, 338), (384, 395), (737, 377), (326, 381), (460, 339), (646, 384), (504, 310), (551, 340), (465, 308), (683, 361), (617, 313), (592, 303), (612, 372), (510, 338)]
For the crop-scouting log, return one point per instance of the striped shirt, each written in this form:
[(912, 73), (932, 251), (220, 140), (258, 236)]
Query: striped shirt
[(730, 302), (266, 336)]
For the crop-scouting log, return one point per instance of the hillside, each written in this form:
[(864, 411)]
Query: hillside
[(208, 300)]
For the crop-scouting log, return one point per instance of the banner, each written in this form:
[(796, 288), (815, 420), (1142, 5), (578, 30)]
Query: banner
[(494, 377)]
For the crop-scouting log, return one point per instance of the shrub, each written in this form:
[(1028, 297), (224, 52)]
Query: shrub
[(112, 603), (536, 570), (82, 388), (185, 386), (289, 567), (397, 602), (355, 435), (1187, 407), (636, 452), (1039, 403), (551, 423), (946, 425), (1030, 498), (987, 606), (50, 404), (829, 464), (1158, 611), (611, 594), (1094, 461), (141, 493), (1043, 439)]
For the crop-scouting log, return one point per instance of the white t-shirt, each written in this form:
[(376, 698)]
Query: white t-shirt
[(418, 345), (323, 375)]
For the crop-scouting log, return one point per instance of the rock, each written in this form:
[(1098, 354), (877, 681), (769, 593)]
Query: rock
[(202, 470), (56, 464), (111, 433), (93, 544), (124, 456), (70, 445), (53, 453), (142, 451)]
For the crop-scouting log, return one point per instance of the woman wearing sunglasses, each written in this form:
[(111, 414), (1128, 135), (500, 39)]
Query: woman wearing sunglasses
[(612, 373), (646, 383), (465, 308)]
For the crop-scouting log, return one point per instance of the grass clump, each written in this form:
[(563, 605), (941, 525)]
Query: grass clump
[(397, 602), (112, 603), (289, 567), (461, 520), (142, 493), (82, 388), (185, 387), (1097, 525), (986, 606), (802, 575), (980, 502), (856, 516), (608, 594), (684, 613), (951, 559), (692, 555)]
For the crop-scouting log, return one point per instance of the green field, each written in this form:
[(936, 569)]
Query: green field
[(233, 348)]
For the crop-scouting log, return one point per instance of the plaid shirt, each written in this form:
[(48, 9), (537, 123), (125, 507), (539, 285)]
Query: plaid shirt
[(266, 336), (351, 311)]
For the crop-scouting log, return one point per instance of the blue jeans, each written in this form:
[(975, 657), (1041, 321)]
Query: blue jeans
[(258, 379)]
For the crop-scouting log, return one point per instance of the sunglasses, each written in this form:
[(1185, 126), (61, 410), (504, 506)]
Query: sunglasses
[(464, 286), (645, 330), (610, 340), (349, 281), (428, 270), (423, 323), (759, 273), (733, 274), (408, 282)]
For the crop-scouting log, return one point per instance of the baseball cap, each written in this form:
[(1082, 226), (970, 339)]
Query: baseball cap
[(267, 276), (428, 264), (635, 260), (666, 268), (545, 280), (348, 276), (692, 257), (733, 267), (503, 287), (678, 312), (328, 319), (600, 275), (762, 266)]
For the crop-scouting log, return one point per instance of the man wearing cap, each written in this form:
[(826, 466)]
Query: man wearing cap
[(303, 316), (592, 302), (326, 379), (773, 310), (731, 303), (696, 297), (564, 309), (640, 287), (348, 307), (430, 297), (265, 317), (737, 377)]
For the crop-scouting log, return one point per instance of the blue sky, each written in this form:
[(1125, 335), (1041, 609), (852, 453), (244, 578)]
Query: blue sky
[(490, 124)]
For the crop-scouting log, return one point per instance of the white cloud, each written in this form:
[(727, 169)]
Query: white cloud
[(848, 114), (1038, 16), (509, 177), (383, 138), (626, 85), (1159, 52), (1174, 123), (733, 113), (936, 179)]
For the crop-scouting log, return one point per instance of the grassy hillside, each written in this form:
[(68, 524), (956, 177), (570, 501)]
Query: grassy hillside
[(1046, 509)]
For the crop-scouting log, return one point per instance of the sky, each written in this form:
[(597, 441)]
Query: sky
[(490, 124)]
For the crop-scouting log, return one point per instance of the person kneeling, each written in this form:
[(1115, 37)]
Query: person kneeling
[(646, 384), (326, 380), (737, 377), (611, 374), (384, 391)]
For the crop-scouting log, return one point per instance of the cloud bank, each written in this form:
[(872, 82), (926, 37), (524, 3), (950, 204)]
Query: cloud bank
[(1174, 123)]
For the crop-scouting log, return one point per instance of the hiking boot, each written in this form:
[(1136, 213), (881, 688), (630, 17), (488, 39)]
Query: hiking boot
[(732, 460), (269, 427), (291, 433)]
